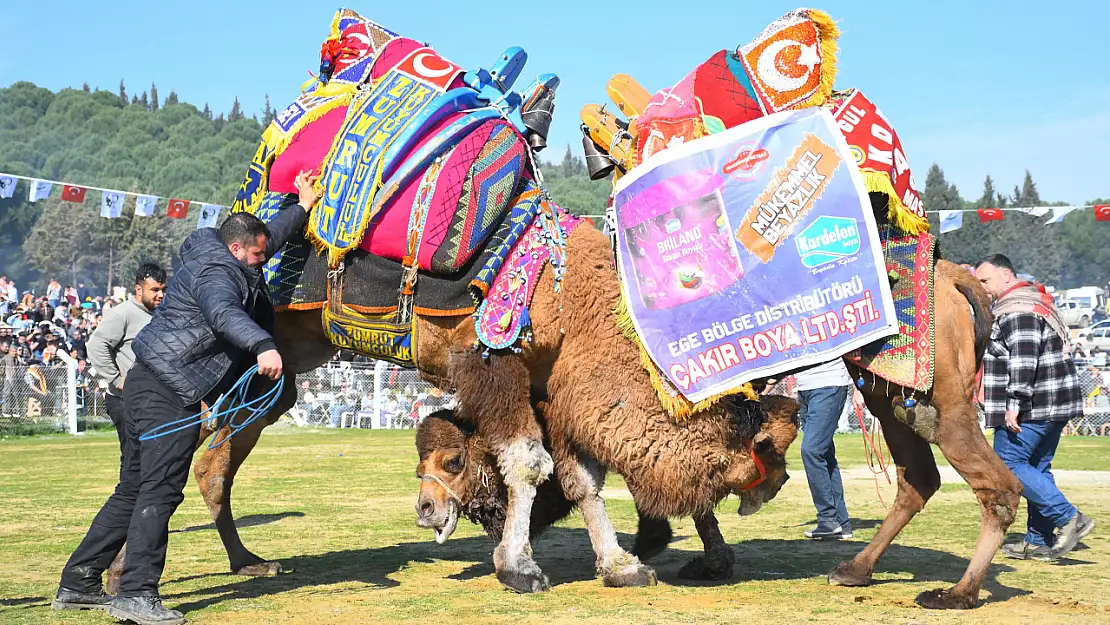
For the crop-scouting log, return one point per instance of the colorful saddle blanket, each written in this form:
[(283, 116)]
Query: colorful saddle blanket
[(419, 159), (907, 358)]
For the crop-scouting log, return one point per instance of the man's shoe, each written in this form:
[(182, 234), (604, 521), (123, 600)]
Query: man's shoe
[(1028, 551), (827, 533), (67, 599), (144, 611), (1079, 526)]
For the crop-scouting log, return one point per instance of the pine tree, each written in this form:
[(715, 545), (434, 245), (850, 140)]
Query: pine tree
[(567, 166), (1016, 199), (134, 99), (171, 98), (207, 112), (153, 97), (987, 200), (145, 101), (268, 113), (236, 111), (85, 87), (122, 93), (1029, 194)]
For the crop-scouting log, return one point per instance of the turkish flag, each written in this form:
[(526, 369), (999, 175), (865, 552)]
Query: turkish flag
[(990, 214), (177, 209), (1102, 212), (73, 193)]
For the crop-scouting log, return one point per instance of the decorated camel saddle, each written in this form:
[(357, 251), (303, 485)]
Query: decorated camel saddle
[(431, 200), (763, 221)]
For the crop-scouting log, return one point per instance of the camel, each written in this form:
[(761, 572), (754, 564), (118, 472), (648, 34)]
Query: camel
[(563, 364), (671, 470)]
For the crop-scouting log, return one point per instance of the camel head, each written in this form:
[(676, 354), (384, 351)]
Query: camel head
[(458, 476), (760, 469)]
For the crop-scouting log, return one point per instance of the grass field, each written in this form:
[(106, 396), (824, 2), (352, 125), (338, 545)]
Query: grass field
[(336, 508)]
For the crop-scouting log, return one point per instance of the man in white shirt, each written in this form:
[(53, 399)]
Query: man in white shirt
[(822, 392)]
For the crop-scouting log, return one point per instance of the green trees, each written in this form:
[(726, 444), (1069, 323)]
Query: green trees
[(96, 139)]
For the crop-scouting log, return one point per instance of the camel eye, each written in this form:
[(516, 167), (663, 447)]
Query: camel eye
[(454, 464)]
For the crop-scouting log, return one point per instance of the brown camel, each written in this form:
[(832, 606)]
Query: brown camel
[(671, 470), (578, 360), (960, 340)]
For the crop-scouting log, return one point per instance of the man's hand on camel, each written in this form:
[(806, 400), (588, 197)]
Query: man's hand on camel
[(306, 189), (269, 364)]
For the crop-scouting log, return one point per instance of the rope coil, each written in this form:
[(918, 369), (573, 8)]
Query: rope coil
[(236, 400)]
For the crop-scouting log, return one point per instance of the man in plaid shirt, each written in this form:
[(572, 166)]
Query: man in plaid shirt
[(1030, 392)]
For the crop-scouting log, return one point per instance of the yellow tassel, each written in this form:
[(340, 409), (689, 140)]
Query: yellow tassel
[(672, 401), (827, 33), (900, 214)]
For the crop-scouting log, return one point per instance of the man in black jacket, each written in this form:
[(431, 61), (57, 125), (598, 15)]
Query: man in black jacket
[(216, 319)]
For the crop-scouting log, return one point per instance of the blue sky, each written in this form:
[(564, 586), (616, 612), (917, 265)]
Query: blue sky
[(978, 87)]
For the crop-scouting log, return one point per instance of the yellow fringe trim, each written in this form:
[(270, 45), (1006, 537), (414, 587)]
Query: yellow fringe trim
[(899, 213), (673, 402), (827, 33)]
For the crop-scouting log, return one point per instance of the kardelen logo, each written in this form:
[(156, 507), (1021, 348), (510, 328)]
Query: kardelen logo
[(748, 162), (827, 240)]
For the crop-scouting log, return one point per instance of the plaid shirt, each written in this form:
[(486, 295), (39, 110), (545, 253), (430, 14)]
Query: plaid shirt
[(1025, 369)]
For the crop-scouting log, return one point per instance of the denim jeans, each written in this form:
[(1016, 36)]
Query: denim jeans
[(819, 414), (1029, 455)]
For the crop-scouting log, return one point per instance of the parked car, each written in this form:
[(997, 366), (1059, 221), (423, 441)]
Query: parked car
[(1099, 324), (1076, 314), (1097, 338)]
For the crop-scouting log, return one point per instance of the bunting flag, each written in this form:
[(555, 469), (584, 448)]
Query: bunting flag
[(111, 204), (950, 221), (209, 215), (144, 205), (73, 193), (990, 214), (1102, 212), (7, 187), (1036, 211), (1058, 214), (177, 209), (40, 189)]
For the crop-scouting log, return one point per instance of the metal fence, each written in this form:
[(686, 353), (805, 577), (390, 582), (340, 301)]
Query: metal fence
[(66, 397)]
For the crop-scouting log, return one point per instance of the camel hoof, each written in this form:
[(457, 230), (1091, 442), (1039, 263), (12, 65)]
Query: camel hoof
[(631, 576), (652, 538), (260, 569), (843, 575), (945, 599), (520, 574), (524, 581), (708, 569)]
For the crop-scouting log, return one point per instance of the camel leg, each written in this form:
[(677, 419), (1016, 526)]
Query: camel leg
[(496, 393), (716, 563), (582, 479), (918, 479), (996, 487), (652, 536), (215, 474)]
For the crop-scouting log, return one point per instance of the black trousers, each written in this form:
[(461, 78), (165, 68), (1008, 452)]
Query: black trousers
[(113, 405), (152, 478)]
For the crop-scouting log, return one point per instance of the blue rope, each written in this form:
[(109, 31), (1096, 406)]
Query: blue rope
[(235, 400)]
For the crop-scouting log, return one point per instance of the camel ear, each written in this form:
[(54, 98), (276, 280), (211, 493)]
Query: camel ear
[(763, 443)]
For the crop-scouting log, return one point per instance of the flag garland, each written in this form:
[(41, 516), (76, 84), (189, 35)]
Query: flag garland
[(145, 204), (111, 201)]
